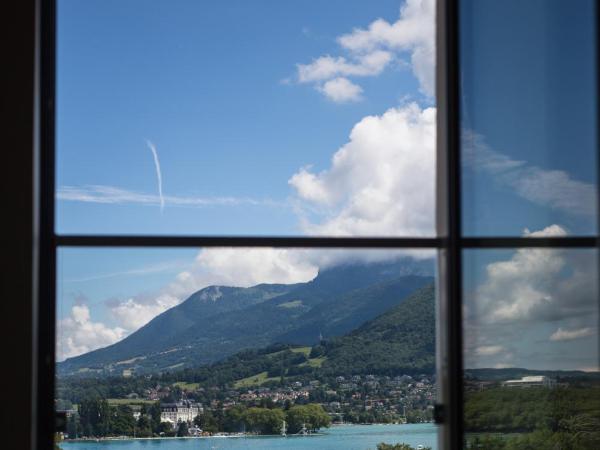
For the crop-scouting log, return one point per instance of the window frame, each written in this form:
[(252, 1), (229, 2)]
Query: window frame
[(449, 242)]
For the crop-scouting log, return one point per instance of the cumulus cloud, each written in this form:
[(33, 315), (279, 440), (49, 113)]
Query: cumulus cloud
[(514, 289), (371, 50), (569, 335), (133, 314), (341, 90), (381, 182), (78, 334), (525, 303), (413, 32)]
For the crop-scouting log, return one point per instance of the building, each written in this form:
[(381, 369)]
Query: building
[(531, 381), (184, 411)]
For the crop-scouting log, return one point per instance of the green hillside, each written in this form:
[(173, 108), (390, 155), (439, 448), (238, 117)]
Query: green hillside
[(400, 340)]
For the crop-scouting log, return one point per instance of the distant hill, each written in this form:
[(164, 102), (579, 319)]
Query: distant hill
[(511, 373), (219, 321)]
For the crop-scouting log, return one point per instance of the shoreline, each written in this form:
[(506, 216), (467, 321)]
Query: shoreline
[(231, 435), (214, 436)]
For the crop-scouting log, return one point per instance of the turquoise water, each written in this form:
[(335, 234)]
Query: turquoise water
[(342, 437)]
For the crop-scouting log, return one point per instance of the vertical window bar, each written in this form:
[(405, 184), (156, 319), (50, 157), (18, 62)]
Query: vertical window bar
[(450, 364), (46, 295)]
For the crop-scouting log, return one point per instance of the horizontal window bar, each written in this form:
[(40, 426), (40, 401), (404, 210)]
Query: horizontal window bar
[(244, 241), (303, 241), (521, 242)]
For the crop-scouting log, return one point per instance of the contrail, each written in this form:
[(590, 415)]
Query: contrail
[(158, 174)]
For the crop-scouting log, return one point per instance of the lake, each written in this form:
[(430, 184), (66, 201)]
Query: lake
[(340, 437)]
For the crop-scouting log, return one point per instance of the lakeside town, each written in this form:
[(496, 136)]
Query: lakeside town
[(251, 406)]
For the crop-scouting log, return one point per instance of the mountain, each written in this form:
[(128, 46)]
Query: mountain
[(401, 341), (219, 321)]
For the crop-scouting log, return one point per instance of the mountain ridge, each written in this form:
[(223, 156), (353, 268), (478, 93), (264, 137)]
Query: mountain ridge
[(219, 321)]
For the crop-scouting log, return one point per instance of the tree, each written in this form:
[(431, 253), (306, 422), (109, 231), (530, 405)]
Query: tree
[(165, 428), (233, 420), (311, 416), (154, 412), (95, 416), (207, 422), (122, 421), (144, 426), (264, 421), (182, 429), (73, 426)]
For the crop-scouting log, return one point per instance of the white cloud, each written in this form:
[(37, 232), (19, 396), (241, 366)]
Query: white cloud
[(526, 301), (552, 188), (489, 350), (370, 51), (569, 335), (515, 288), (341, 90), (413, 32), (152, 148), (132, 314), (380, 183), (328, 67), (139, 271), (78, 334), (250, 266), (556, 189), (116, 195)]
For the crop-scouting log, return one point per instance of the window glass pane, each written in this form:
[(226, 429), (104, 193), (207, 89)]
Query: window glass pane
[(531, 349), (529, 117), (246, 117), (148, 338)]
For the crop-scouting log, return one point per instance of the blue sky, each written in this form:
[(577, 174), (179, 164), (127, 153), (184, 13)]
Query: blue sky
[(205, 82), (530, 92), (309, 118)]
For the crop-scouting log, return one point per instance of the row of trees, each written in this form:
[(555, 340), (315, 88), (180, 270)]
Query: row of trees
[(382, 416), (97, 418), (264, 420)]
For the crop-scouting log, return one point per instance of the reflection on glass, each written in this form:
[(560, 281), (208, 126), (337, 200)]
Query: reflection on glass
[(531, 356), (529, 144), (245, 117), (159, 342)]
